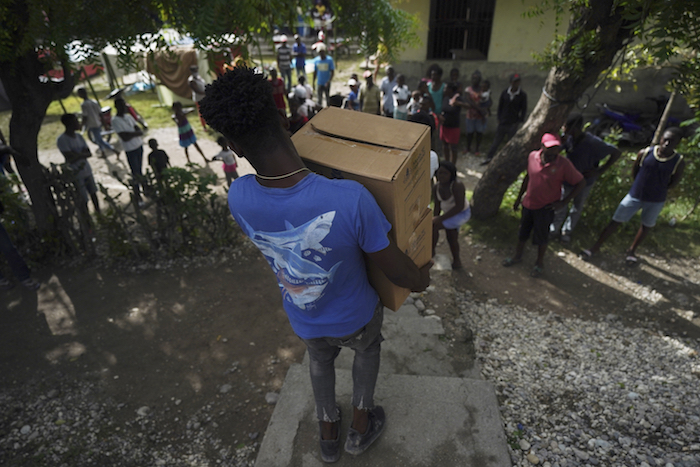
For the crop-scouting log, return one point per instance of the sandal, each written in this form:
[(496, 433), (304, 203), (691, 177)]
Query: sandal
[(537, 271), (631, 260), (586, 255), (31, 284), (508, 262)]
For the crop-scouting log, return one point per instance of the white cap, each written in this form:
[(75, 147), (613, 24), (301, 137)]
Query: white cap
[(283, 38), (352, 82)]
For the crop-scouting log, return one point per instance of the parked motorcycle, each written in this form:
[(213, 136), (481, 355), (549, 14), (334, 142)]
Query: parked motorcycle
[(633, 128)]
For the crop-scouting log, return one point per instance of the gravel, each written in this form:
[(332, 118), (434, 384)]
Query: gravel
[(74, 424), (582, 393)]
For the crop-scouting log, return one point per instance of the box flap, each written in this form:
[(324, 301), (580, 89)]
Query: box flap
[(358, 158), (367, 128)]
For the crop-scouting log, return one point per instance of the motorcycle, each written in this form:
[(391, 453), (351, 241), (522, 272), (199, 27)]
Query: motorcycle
[(631, 126)]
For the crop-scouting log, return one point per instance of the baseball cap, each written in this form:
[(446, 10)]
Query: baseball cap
[(549, 140), (515, 77), (352, 82), (367, 74), (283, 38)]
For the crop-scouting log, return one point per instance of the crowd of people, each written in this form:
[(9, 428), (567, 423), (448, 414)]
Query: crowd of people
[(315, 232), (325, 289)]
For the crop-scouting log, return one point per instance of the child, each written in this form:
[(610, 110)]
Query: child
[(449, 198), (157, 159), (185, 131), (226, 156), (414, 103), (449, 119), (401, 95)]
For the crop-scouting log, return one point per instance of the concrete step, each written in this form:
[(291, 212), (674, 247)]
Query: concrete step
[(414, 345), (431, 420)]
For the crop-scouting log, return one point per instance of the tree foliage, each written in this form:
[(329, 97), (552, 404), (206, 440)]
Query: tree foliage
[(600, 34), (38, 35)]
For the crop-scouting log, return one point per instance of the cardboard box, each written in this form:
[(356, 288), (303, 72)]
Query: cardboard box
[(391, 158)]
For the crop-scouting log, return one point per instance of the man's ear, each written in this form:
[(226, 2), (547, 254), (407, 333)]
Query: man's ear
[(236, 148)]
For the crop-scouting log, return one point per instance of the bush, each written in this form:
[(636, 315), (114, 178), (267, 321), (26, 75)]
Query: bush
[(182, 216)]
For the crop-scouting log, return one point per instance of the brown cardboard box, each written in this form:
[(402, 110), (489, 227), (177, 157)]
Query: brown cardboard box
[(391, 158)]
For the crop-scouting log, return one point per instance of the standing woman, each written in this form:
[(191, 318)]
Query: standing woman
[(436, 88), (130, 136)]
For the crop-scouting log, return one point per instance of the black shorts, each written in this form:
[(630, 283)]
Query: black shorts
[(536, 222)]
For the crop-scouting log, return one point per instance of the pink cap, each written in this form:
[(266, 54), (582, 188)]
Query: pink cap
[(549, 140)]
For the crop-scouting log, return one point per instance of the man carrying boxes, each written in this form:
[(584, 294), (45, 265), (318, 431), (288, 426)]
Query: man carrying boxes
[(314, 232)]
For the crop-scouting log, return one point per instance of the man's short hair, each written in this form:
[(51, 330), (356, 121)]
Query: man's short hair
[(575, 120), (240, 106), (675, 131), (67, 118)]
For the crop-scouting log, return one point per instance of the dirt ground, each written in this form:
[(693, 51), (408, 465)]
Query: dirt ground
[(212, 332)]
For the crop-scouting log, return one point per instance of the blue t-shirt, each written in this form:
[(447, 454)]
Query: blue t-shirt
[(299, 51), (323, 70), (313, 235)]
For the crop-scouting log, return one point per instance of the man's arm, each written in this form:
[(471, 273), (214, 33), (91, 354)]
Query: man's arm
[(501, 105), (127, 135), (612, 158), (638, 163), (677, 175), (75, 156), (523, 108), (400, 268), (523, 189), (565, 202)]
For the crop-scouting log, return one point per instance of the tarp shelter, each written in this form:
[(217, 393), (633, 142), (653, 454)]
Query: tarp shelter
[(172, 69)]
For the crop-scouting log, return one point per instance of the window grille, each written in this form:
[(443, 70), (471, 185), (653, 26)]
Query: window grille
[(460, 29)]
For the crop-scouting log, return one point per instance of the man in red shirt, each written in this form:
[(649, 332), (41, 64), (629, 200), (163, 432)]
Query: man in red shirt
[(546, 172)]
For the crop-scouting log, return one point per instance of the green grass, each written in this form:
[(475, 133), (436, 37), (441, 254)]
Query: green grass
[(683, 239)]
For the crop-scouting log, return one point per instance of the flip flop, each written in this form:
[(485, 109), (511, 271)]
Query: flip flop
[(508, 262), (536, 272), (585, 255), (631, 260)]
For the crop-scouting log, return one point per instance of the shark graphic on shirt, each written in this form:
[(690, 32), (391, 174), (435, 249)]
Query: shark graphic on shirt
[(302, 281)]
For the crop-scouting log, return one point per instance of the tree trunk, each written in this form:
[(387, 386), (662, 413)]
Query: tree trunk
[(563, 88), (30, 97), (663, 120)]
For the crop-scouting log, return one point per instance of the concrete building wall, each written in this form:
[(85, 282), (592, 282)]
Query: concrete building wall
[(513, 41), (514, 38)]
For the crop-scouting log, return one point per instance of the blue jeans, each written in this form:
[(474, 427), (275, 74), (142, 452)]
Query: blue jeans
[(568, 223), (366, 342), (96, 134), (286, 75), (17, 264), (135, 159)]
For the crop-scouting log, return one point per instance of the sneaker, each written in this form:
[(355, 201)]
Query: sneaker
[(330, 448), (5, 284), (486, 162), (356, 442), (31, 284)]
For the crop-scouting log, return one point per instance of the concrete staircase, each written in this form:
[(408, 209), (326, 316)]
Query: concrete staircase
[(438, 412)]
